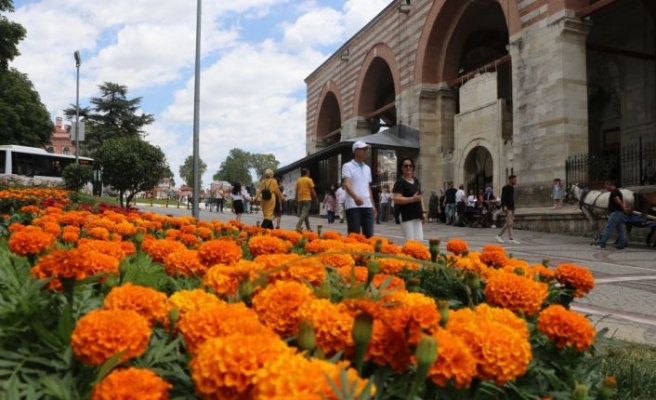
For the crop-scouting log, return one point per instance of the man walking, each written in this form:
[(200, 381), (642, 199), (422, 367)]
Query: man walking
[(356, 175), (508, 208), (450, 203), (617, 210), (304, 195)]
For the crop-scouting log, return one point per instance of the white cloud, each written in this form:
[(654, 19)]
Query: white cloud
[(252, 92)]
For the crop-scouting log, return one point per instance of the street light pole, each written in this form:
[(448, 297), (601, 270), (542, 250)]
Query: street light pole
[(196, 156), (78, 61)]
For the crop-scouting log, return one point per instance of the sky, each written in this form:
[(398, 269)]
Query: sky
[(255, 55)]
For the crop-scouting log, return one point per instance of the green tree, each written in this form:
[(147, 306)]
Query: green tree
[(261, 162), (76, 176), (130, 166), (25, 120), (10, 34), (112, 115), (187, 171), (235, 168)]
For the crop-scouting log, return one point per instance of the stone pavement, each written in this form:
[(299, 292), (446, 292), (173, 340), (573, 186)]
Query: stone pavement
[(624, 297)]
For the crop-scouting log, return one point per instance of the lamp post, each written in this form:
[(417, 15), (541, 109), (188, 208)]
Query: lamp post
[(78, 61), (196, 189)]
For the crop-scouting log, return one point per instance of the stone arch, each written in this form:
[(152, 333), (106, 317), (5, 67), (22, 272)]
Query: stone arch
[(477, 163), (437, 50), (329, 114), (378, 85)]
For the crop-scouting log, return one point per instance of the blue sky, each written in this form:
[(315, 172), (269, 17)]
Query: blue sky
[(255, 56)]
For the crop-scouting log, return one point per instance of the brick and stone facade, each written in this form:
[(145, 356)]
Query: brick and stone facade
[(60, 143), (495, 87)]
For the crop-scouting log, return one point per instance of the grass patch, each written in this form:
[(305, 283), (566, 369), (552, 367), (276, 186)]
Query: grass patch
[(633, 365)]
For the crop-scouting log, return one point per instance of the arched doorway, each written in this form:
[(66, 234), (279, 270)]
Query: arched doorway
[(329, 121), (478, 169)]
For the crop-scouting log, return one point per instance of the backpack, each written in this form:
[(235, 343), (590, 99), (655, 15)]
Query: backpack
[(266, 193)]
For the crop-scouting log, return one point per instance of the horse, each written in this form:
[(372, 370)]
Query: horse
[(594, 204)]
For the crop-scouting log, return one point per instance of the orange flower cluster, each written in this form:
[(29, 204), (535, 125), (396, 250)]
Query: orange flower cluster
[(337, 259), (220, 251), (224, 280), (148, 302), (493, 255), (332, 324), (132, 384), (259, 245), (454, 363), (186, 301), (159, 249), (396, 265), (293, 376), (292, 267), (457, 246), (74, 263), (566, 328), (225, 367), (184, 262), (101, 334), (220, 320), (30, 240), (117, 250), (324, 245), (574, 277), (515, 293), (278, 306), (416, 249), (502, 353)]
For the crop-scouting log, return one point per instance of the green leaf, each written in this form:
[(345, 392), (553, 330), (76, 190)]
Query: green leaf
[(66, 324), (108, 366)]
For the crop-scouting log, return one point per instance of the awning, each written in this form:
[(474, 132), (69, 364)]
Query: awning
[(397, 137)]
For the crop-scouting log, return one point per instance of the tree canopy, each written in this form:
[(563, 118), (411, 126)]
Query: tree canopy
[(113, 115), (11, 33), (235, 168), (187, 171), (261, 162), (131, 165), (25, 120)]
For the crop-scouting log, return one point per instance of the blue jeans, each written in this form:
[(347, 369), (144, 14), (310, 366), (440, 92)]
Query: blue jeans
[(615, 223), (450, 212), (360, 220)]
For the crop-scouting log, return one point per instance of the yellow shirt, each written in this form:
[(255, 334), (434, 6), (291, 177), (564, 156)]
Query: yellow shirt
[(304, 186)]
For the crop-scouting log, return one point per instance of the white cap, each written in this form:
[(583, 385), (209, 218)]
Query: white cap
[(359, 145)]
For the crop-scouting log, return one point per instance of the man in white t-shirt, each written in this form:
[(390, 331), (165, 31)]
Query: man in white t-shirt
[(356, 177), (340, 195)]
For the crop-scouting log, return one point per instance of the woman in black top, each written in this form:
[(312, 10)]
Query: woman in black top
[(407, 196)]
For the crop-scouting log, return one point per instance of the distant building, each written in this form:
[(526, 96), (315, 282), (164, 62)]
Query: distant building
[(61, 143)]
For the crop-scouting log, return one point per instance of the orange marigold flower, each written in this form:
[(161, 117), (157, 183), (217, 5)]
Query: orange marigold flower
[(101, 334), (390, 248), (293, 376), (416, 249), (71, 234), (184, 262), (99, 233), (502, 353), (292, 267), (331, 235), (457, 246), (454, 361), (566, 328), (324, 245), (148, 302), (337, 259), (493, 255), (159, 249), (225, 367), (126, 229), (30, 240), (221, 319), (30, 209), (359, 274), (186, 301), (74, 263), (543, 273), (259, 245), (132, 384), (114, 249), (292, 237), (574, 277), (516, 293), (52, 228), (332, 324), (396, 265), (278, 305), (310, 236), (15, 227), (220, 251), (365, 251), (224, 279)]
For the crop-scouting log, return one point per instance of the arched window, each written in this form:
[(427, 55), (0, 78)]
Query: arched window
[(67, 150), (50, 149)]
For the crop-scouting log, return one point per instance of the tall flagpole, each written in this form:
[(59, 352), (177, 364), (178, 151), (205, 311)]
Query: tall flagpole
[(196, 155)]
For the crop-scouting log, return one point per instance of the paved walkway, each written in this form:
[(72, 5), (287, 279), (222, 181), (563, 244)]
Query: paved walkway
[(624, 298)]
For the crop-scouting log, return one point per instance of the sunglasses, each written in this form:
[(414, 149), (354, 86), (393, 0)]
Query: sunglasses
[(408, 166)]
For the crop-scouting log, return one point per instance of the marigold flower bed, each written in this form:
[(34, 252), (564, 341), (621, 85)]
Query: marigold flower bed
[(158, 307)]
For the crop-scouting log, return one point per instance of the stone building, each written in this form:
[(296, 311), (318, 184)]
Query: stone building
[(490, 88)]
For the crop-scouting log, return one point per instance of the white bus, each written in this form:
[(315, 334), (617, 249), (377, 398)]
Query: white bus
[(35, 163)]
